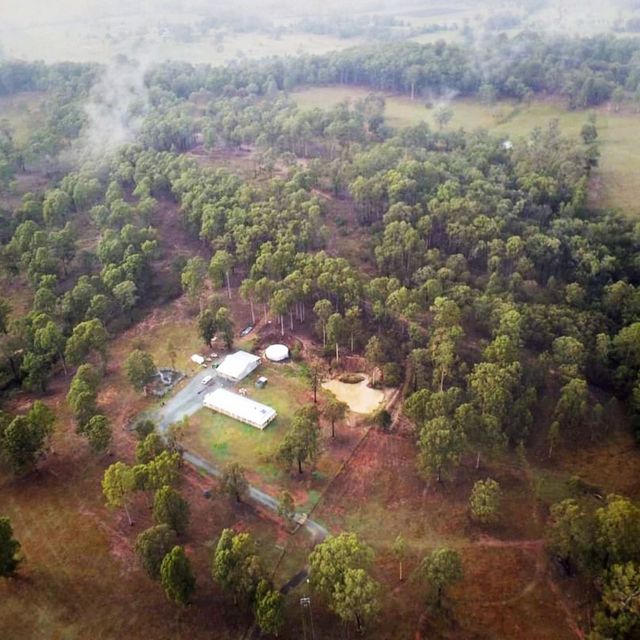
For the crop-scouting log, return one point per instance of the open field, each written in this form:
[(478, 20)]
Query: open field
[(72, 541), (380, 496), (222, 440), (81, 578), (22, 111), (75, 42), (614, 183)]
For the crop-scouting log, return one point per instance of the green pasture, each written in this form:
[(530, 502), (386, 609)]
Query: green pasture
[(23, 112), (615, 182)]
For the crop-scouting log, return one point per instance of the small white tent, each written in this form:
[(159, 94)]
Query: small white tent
[(276, 352), (238, 365)]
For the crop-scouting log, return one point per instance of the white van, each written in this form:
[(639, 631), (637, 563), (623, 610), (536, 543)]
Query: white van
[(207, 379)]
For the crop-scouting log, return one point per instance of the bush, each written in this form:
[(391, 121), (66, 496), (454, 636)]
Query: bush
[(382, 419), (296, 352), (351, 378), (143, 428), (392, 372)]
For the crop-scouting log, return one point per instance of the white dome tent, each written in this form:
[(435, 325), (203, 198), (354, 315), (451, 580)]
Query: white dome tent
[(276, 352)]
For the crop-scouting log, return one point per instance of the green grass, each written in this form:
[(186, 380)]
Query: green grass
[(614, 183), (95, 42), (224, 439), (23, 112)]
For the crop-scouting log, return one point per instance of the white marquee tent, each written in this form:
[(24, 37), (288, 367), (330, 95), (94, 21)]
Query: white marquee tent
[(240, 408), (238, 365), (276, 352)]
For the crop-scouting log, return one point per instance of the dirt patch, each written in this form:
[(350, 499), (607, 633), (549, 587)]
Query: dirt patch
[(359, 396)]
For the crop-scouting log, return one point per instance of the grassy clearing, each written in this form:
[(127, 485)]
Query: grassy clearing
[(227, 439), (222, 439), (611, 465), (80, 577), (23, 111), (91, 42), (614, 183), (380, 496)]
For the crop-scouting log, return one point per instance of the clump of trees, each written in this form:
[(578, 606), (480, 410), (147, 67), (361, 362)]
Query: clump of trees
[(484, 502), (140, 368), (339, 571), (602, 544), (239, 570), (24, 439)]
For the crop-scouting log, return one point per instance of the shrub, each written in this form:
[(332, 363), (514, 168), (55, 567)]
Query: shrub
[(351, 378), (392, 374)]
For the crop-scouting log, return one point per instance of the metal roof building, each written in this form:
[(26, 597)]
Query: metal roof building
[(240, 408), (238, 365)]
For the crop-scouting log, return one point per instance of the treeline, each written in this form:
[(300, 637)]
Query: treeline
[(377, 28), (20, 75), (585, 71), (77, 293), (66, 85), (80, 294)]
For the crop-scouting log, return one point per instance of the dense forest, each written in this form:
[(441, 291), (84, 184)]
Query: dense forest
[(505, 308)]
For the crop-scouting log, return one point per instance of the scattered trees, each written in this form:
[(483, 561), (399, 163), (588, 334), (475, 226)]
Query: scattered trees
[(170, 508), (617, 614), (268, 608), (193, 278), (441, 444), (24, 438), (118, 482), (87, 337), (150, 447), (286, 507), (82, 395), (236, 565), (301, 442), (334, 411), (399, 549), (98, 433)]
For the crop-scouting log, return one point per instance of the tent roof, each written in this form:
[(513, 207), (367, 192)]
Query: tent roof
[(241, 408), (236, 365), (277, 352)]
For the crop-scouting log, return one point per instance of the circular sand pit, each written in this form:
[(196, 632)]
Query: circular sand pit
[(359, 397)]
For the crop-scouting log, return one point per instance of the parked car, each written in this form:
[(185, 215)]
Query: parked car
[(207, 379)]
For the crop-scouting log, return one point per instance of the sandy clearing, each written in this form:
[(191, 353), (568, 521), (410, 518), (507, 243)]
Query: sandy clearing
[(359, 397)]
